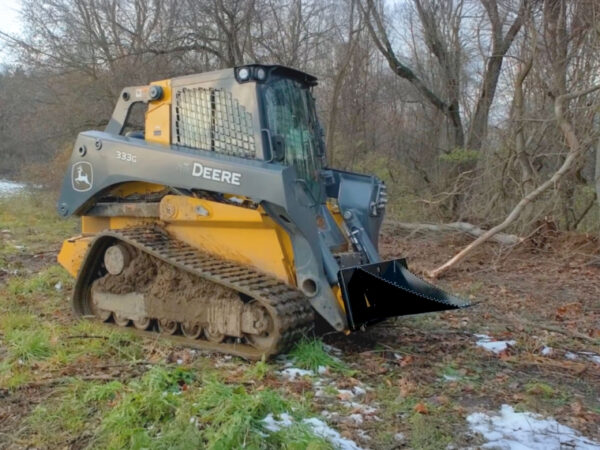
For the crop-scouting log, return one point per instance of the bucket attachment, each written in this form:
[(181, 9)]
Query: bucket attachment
[(374, 292)]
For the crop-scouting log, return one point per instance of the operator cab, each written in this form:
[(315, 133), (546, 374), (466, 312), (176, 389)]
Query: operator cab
[(289, 120)]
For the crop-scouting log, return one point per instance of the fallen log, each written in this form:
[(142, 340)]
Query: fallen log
[(462, 227)]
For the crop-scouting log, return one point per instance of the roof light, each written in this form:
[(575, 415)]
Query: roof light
[(261, 74), (244, 74)]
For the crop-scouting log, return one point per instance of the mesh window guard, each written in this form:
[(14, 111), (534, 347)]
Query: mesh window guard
[(211, 119)]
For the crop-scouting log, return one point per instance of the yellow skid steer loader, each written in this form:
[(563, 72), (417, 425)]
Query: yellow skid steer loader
[(220, 225)]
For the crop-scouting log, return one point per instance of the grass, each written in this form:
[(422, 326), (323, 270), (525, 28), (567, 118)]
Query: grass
[(32, 223), (310, 354), (28, 345), (169, 408), (258, 371), (50, 281)]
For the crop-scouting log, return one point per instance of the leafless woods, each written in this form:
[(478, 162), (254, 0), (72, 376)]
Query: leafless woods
[(483, 111)]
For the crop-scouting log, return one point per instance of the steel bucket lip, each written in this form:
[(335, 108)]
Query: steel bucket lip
[(397, 292)]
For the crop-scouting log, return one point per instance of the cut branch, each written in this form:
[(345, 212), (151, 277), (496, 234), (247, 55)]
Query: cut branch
[(462, 227), (575, 150)]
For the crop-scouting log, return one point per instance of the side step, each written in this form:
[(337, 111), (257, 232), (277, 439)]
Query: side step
[(374, 292)]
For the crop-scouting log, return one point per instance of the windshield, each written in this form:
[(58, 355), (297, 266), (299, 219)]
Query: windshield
[(291, 114)]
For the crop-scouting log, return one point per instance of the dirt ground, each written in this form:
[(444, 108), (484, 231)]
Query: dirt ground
[(543, 294), (406, 383)]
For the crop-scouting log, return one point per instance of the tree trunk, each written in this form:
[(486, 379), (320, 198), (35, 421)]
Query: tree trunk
[(597, 171), (479, 125), (501, 43)]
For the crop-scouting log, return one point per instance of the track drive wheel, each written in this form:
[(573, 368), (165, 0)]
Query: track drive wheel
[(268, 338)]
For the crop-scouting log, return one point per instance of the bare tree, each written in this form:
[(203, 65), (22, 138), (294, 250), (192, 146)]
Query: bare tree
[(501, 43), (559, 55), (450, 107)]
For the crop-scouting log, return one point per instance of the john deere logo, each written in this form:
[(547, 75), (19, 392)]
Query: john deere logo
[(82, 176)]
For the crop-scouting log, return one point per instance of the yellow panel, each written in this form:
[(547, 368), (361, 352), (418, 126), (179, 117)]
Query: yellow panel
[(180, 208), (91, 224), (232, 232), (158, 116), (248, 236), (72, 252)]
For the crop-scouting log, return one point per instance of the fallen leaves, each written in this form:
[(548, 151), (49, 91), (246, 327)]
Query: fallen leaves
[(568, 311), (421, 408)]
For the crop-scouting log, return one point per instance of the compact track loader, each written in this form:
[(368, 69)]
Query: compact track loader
[(220, 224)]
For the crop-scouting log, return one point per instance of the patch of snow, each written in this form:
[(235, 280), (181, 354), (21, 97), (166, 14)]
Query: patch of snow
[(320, 428), (359, 407), (292, 372), (591, 356), (345, 394), (510, 430), (451, 378), (399, 437), (492, 346), (8, 187), (274, 425), (546, 350), (570, 355), (356, 419), (321, 370), (358, 391), (317, 426)]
